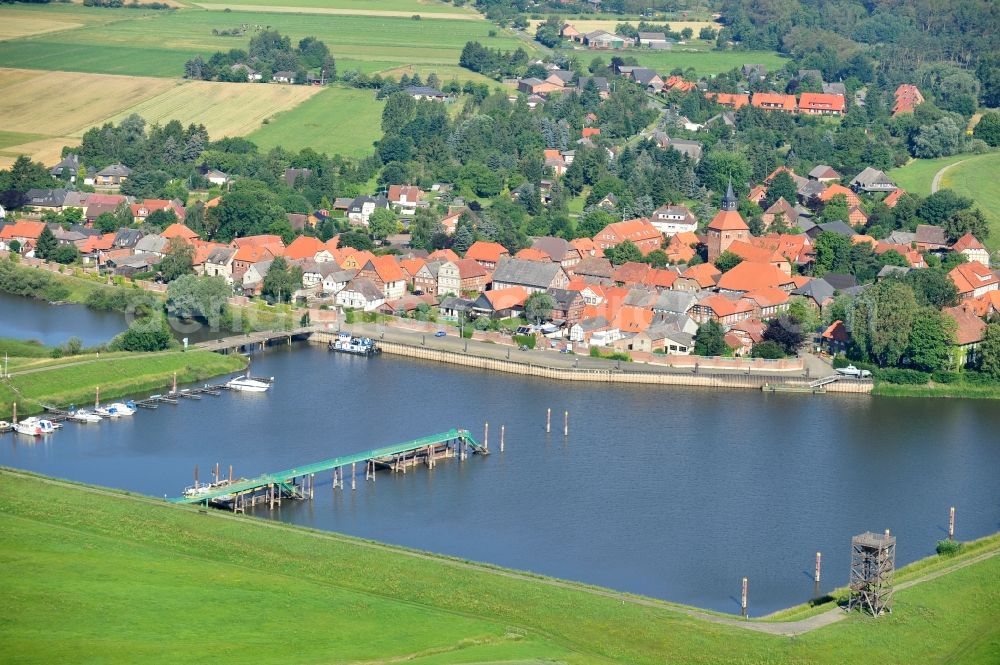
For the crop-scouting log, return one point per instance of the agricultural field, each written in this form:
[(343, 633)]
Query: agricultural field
[(704, 62), (590, 24), (226, 109), (407, 8), (337, 120), (132, 568)]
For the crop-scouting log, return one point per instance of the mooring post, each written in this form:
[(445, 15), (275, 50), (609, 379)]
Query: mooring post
[(14, 413), (230, 474), (548, 420), (270, 490), (743, 599), (486, 436), (196, 476), (951, 524), (354, 475), (174, 390), (566, 423), (887, 533), (97, 397), (819, 558), (501, 437), (312, 482)]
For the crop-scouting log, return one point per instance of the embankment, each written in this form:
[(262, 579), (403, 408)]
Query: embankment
[(626, 373), (119, 376)]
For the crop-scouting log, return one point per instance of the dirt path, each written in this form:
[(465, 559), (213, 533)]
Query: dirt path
[(782, 628), (936, 182)]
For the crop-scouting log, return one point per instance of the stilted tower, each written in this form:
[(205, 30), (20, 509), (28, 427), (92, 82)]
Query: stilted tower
[(873, 563)]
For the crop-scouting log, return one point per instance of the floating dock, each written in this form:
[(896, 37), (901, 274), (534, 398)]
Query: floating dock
[(298, 483)]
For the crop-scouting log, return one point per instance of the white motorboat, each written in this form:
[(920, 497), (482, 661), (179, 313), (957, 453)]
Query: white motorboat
[(5, 426), (123, 408), (248, 385), (106, 412), (34, 427), (85, 416)]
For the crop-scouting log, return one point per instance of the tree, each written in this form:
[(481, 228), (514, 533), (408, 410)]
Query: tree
[(881, 319), (179, 259), (932, 288), (786, 332), (243, 212), (768, 349), (988, 128), (945, 137), (623, 253), (65, 254), (46, 244), (710, 340), (146, 334), (782, 186), (399, 110), (539, 307), (382, 223), (424, 226), (207, 297), (931, 340), (727, 261), (281, 280), (15, 246), (833, 253), (967, 221), (106, 222), (942, 204), (357, 240), (657, 259), (989, 351), (162, 218)]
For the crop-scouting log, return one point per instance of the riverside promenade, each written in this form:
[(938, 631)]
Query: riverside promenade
[(550, 364)]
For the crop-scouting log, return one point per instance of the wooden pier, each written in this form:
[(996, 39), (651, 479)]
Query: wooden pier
[(298, 483)]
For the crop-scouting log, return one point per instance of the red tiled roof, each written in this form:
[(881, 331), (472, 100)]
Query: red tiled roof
[(386, 268), (304, 247), (469, 268), (727, 99), (835, 189), (749, 276), (631, 273), (661, 279), (728, 220), (971, 276), (507, 297), (703, 273), (723, 306), (178, 230), (968, 241), (532, 254), (774, 100), (821, 101), (767, 297), (443, 255), (969, 327), (265, 239), (486, 251), (22, 228), (412, 266)]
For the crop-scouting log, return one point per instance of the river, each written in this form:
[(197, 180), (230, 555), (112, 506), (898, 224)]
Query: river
[(667, 492)]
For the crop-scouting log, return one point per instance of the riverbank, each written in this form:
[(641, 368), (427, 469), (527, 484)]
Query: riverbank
[(942, 390), (550, 364), (73, 380), (153, 582)]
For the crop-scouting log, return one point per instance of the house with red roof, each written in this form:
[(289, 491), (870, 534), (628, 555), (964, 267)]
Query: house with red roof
[(680, 248), (773, 101), (969, 333), (721, 309), (894, 197), (142, 210), (761, 254), (502, 303), (385, 273), (751, 276), (631, 273), (640, 231), (973, 280), (249, 254), (836, 338), (443, 255), (308, 247), (697, 278), (405, 197), (731, 101), (487, 254), (972, 249), (837, 190), (25, 232), (821, 103), (768, 302), (908, 97), (179, 230)]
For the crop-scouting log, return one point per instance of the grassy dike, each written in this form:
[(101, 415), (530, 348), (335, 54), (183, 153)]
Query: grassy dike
[(96, 575), (959, 390), (73, 380)]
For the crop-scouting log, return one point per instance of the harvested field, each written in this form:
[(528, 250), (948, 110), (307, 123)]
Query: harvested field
[(336, 11), (24, 24)]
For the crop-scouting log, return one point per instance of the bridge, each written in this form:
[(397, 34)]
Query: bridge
[(298, 483), (250, 341)]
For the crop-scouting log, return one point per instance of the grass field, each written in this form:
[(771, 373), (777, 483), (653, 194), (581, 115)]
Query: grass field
[(586, 25), (916, 176), (75, 380), (104, 576), (337, 120), (977, 178), (704, 62), (362, 7)]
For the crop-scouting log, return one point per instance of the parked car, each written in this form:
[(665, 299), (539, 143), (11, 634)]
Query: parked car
[(440, 333)]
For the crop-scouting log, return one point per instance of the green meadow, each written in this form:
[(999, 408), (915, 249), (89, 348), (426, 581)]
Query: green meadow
[(99, 575), (337, 120), (976, 177), (705, 62), (916, 175)]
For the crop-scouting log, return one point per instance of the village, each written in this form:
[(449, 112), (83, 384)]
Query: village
[(707, 272)]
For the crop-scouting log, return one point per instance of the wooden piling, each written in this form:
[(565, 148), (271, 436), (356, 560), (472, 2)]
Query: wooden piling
[(97, 397), (354, 476), (548, 420), (312, 484), (14, 413), (743, 599), (566, 423), (951, 524), (486, 436), (501, 437), (230, 474), (196, 476), (819, 558), (174, 389)]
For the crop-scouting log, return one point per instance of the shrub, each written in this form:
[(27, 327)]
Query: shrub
[(910, 377), (595, 352), (942, 376), (467, 332), (948, 547), (349, 316), (978, 379)]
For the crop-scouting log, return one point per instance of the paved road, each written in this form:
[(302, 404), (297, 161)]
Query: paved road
[(936, 182), (548, 357), (781, 628)]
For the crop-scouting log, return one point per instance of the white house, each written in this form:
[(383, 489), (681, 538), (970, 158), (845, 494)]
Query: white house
[(361, 294), (216, 177), (362, 207), (336, 281), (254, 276), (671, 220), (220, 263)]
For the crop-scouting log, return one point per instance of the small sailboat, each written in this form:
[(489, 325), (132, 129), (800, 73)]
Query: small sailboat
[(34, 427), (247, 385)]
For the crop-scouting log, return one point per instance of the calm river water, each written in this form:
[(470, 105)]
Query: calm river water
[(673, 493)]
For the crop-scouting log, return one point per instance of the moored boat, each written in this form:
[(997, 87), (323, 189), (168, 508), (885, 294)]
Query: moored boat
[(34, 427), (5, 426), (85, 416), (247, 385), (123, 408), (360, 346)]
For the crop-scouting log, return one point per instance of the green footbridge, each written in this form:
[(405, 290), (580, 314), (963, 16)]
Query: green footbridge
[(396, 457)]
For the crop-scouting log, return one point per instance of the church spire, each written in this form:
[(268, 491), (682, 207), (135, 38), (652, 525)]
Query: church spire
[(729, 200)]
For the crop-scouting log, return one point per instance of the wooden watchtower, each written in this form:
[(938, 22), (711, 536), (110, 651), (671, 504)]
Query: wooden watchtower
[(873, 563)]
